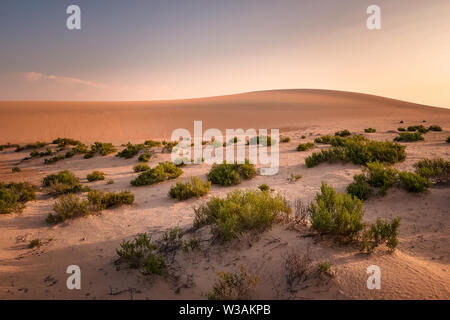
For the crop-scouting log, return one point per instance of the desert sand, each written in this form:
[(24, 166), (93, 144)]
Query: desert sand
[(418, 269)]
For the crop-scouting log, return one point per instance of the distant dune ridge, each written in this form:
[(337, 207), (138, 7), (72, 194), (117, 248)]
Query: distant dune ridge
[(120, 122)]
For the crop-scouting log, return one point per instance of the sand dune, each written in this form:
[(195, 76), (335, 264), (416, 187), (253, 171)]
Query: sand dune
[(120, 122)]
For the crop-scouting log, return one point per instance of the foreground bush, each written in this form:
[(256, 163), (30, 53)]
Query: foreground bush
[(68, 206), (96, 176), (226, 174), (233, 286), (61, 183), (379, 233), (163, 171), (437, 170), (358, 150), (13, 196), (193, 188), (380, 175), (145, 157), (370, 130), (414, 182), (99, 200), (336, 213), (359, 188), (141, 167), (409, 136), (239, 212), (305, 146), (130, 151)]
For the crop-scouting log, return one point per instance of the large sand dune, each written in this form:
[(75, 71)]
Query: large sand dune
[(121, 122)]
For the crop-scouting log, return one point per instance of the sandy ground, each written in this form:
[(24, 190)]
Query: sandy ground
[(418, 269)]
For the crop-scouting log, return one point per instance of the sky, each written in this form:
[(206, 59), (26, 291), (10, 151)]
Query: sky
[(168, 49)]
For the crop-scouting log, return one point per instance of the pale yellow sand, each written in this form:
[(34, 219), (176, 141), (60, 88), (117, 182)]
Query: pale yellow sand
[(419, 269)]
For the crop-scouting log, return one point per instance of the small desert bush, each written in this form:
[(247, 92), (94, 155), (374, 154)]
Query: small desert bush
[(142, 253), (264, 187), (168, 146), (261, 139), (8, 145), (324, 139), (13, 196), (239, 212), (99, 200), (336, 213), (305, 146), (141, 167), (437, 170), (343, 133), (68, 206), (380, 175), (293, 177), (36, 153), (16, 169), (63, 142), (145, 157), (379, 233), (233, 286), (95, 176), (297, 266), (409, 136), (434, 128), (130, 150), (401, 129), (61, 183), (195, 187), (324, 267), (448, 139), (110, 182), (414, 182), (285, 139), (34, 243), (35, 145), (359, 188), (370, 130), (163, 171), (227, 174), (103, 148), (419, 129), (152, 143)]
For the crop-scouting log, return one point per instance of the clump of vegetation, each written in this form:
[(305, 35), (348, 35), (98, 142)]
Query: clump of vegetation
[(61, 183), (68, 206), (130, 150), (13, 196), (145, 157), (34, 243), (163, 171), (379, 233), (239, 212), (16, 169), (293, 177), (36, 153), (401, 121), (168, 146), (409, 136), (448, 139), (8, 146), (358, 150), (195, 187), (110, 182), (233, 286), (297, 266), (141, 167), (227, 174), (336, 213), (261, 139), (99, 200), (419, 129), (285, 139), (437, 170), (324, 267), (401, 129), (103, 148), (264, 187), (370, 130), (359, 188), (36, 145), (63, 142), (434, 128), (414, 182), (152, 143), (380, 175), (342, 133), (142, 253), (305, 146), (96, 176)]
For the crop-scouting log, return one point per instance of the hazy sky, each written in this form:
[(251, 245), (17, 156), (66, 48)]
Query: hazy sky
[(142, 50)]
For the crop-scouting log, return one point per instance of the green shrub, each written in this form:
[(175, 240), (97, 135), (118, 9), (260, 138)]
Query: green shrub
[(61, 183), (285, 139), (34, 243), (293, 177), (8, 145), (401, 129), (163, 171), (151, 143), (103, 148), (358, 150), (239, 212), (261, 139), (343, 133), (145, 157), (409, 136), (414, 182), (68, 206), (192, 244), (359, 188), (130, 151), (227, 174), (437, 170), (36, 153), (96, 176), (419, 129), (16, 169), (110, 182), (324, 267), (233, 286), (434, 128), (13, 196), (264, 187), (380, 175), (192, 188), (35, 145), (370, 130), (336, 213), (99, 200), (168, 146), (63, 142), (305, 146), (141, 167), (324, 139), (379, 233)]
